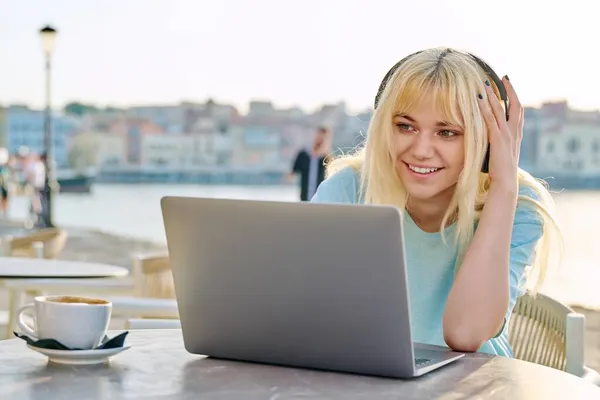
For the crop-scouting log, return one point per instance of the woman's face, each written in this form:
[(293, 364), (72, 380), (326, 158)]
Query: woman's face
[(429, 151)]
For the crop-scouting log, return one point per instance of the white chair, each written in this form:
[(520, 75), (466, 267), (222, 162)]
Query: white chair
[(547, 332), (150, 323), (48, 242)]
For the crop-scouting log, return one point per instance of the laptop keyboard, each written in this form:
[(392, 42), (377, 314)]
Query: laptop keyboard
[(419, 362)]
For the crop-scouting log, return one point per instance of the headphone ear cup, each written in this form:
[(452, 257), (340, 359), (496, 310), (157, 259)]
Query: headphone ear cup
[(485, 168)]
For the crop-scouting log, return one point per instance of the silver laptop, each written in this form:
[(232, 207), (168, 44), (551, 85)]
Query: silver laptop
[(319, 286)]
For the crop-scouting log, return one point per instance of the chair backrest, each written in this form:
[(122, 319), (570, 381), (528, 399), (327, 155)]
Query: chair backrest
[(538, 331), (153, 277), (53, 239)]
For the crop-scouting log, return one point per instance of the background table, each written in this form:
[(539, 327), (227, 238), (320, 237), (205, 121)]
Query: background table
[(19, 268), (157, 366), (14, 269)]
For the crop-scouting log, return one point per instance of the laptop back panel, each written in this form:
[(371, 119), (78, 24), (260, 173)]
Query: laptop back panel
[(307, 285)]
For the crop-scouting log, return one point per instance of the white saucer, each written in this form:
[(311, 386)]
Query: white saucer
[(79, 357)]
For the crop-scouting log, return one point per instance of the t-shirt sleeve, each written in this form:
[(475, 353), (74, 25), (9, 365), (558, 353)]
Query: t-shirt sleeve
[(341, 187), (528, 228)]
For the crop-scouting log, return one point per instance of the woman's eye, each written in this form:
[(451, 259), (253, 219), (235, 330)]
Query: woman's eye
[(405, 127), (448, 134)]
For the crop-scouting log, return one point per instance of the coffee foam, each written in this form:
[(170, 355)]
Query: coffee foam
[(76, 300)]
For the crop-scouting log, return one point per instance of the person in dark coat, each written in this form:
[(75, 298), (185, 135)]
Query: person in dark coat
[(310, 163)]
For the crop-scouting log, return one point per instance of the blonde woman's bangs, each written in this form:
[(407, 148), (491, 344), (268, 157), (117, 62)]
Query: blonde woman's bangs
[(409, 93), (444, 97), (412, 90)]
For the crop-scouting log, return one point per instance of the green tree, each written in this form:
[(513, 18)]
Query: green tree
[(79, 109)]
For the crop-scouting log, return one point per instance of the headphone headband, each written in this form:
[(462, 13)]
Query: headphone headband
[(482, 64)]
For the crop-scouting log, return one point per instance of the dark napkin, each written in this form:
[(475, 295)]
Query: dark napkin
[(115, 342)]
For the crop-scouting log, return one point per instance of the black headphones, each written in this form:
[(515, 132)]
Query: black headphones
[(486, 68)]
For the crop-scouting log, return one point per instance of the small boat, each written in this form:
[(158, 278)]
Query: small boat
[(72, 181)]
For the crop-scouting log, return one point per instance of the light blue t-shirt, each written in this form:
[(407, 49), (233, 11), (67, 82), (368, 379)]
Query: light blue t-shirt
[(430, 263)]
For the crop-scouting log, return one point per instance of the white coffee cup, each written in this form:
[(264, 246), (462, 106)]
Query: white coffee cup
[(76, 322)]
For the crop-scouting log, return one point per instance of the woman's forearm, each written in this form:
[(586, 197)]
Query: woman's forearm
[(479, 297)]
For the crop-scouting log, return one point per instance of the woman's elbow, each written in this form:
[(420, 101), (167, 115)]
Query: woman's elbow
[(468, 334), (463, 343)]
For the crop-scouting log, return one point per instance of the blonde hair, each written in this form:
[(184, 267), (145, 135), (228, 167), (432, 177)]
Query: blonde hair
[(453, 79)]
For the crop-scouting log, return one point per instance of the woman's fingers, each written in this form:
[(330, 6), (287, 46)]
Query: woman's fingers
[(488, 116), (515, 110), (497, 109)]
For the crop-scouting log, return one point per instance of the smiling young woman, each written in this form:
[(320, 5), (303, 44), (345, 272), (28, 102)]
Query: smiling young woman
[(442, 147)]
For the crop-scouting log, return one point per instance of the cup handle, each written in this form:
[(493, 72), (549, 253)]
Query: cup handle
[(21, 321)]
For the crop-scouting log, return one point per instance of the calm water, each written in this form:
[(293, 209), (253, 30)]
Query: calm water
[(135, 211)]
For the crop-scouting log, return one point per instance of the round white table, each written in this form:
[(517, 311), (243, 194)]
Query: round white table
[(14, 269), (157, 366), (28, 268)]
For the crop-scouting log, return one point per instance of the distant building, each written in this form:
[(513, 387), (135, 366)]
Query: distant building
[(569, 142), (186, 151), (97, 149), (25, 127), (167, 150), (529, 145), (3, 127), (261, 109), (100, 121), (169, 118), (257, 142), (134, 129), (208, 118), (293, 113)]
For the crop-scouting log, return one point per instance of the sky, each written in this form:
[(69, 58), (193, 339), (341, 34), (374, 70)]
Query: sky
[(294, 53)]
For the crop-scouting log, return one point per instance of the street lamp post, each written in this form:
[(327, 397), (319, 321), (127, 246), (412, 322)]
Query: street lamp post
[(48, 35)]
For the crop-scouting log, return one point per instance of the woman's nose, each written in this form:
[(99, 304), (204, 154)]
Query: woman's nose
[(422, 147)]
